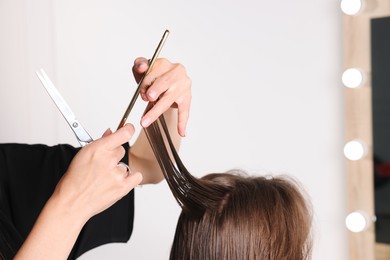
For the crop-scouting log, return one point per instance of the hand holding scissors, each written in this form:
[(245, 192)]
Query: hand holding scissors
[(81, 134)]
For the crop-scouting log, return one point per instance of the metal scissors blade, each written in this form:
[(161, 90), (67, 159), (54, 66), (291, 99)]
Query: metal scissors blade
[(82, 135)]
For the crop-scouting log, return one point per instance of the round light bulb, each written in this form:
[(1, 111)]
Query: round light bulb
[(357, 221), (354, 150), (352, 78), (351, 7)]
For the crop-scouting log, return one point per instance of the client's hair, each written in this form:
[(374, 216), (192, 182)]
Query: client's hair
[(230, 215)]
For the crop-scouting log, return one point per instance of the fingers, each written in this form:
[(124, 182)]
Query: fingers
[(168, 85), (157, 81), (107, 132), (118, 153), (133, 180), (168, 96), (124, 168), (184, 113), (139, 68), (127, 179), (118, 138)]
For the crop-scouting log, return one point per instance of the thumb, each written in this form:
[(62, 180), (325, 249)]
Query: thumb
[(107, 132)]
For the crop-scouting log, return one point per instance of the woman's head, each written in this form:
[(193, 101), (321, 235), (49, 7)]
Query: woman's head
[(232, 216), (258, 218)]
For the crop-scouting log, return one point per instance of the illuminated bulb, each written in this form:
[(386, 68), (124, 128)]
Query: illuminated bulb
[(354, 150), (351, 7), (357, 221), (352, 78)]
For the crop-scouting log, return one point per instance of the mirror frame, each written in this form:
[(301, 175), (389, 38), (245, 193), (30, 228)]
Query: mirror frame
[(358, 125)]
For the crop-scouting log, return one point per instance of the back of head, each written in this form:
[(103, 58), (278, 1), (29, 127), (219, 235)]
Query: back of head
[(259, 218), (231, 216)]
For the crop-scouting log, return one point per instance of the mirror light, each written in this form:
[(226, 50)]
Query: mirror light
[(357, 221), (352, 78), (351, 7), (354, 150)]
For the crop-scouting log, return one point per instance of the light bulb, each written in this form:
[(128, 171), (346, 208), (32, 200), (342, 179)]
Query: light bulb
[(354, 150), (357, 221), (352, 78), (351, 7)]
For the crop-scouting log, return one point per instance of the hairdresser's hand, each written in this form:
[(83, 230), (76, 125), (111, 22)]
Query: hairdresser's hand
[(169, 85), (94, 181)]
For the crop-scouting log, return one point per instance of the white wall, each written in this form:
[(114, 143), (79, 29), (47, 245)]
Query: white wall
[(266, 93)]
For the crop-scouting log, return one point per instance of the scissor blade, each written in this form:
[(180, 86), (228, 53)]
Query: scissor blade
[(56, 96), (81, 134)]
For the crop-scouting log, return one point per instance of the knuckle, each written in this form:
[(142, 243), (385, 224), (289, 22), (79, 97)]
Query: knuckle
[(180, 67), (163, 61), (128, 133), (188, 82), (179, 102)]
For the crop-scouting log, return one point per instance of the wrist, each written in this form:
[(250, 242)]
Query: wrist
[(54, 233), (67, 209)]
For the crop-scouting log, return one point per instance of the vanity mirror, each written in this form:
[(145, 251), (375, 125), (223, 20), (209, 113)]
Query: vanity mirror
[(380, 64), (367, 104)]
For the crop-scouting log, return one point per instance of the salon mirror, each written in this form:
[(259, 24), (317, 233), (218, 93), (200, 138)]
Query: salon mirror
[(380, 66), (367, 106)]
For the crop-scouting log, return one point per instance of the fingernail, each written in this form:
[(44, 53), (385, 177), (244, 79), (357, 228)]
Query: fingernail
[(152, 94), (184, 133), (140, 64), (145, 122)]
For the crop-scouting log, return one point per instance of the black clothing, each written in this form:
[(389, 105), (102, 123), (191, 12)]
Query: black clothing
[(28, 176)]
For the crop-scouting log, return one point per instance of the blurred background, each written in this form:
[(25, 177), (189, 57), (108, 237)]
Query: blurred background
[(267, 96)]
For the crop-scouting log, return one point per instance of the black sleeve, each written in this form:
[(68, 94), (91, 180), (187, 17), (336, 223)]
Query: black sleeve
[(28, 176)]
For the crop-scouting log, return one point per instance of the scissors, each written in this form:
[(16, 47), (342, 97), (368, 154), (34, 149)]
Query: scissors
[(81, 134)]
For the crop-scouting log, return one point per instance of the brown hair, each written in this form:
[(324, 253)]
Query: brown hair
[(230, 215)]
